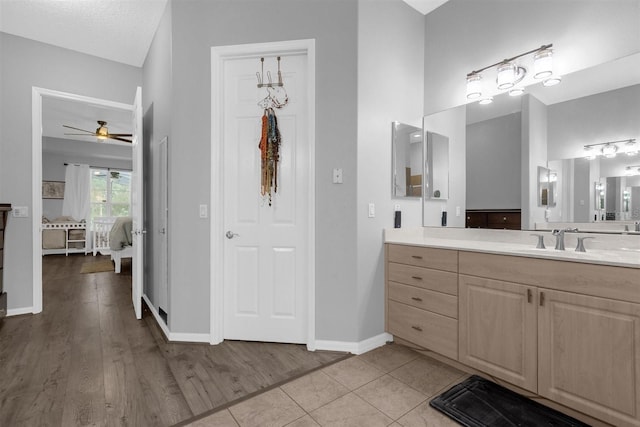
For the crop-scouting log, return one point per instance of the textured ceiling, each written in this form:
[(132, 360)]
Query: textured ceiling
[(119, 30)]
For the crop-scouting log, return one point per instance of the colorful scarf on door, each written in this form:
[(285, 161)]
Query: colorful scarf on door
[(270, 154)]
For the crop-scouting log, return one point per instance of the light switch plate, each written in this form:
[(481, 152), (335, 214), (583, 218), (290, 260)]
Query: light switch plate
[(203, 211), (372, 210), (20, 211)]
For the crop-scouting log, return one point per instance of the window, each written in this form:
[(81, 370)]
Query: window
[(110, 192)]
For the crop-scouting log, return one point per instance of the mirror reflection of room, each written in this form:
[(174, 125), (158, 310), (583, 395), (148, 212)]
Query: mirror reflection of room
[(407, 160)]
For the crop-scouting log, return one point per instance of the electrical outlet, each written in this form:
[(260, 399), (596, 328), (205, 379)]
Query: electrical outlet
[(396, 207), (337, 176), (457, 210), (372, 210)]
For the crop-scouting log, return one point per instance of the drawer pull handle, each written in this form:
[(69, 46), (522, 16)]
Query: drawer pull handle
[(541, 299), (417, 328), (529, 296), (416, 277), (416, 299), (416, 256)]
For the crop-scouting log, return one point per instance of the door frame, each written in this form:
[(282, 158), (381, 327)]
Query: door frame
[(37, 93), (220, 54)]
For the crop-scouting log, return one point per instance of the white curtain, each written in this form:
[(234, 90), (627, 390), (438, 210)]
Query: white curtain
[(76, 203)]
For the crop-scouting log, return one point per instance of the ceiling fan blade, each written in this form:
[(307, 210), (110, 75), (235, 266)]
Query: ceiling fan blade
[(80, 134), (120, 134), (87, 131), (118, 138)]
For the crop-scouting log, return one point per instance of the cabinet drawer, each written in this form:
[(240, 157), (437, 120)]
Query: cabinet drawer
[(440, 259), (437, 302), (426, 329), (435, 280)]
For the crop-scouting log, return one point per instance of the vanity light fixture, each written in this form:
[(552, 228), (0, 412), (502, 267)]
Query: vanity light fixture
[(610, 149), (509, 73), (485, 101)]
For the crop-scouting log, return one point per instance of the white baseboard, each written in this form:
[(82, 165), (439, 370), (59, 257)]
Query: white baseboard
[(19, 311), (354, 347), (174, 336)]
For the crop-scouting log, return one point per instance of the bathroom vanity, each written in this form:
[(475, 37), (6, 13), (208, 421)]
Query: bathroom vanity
[(562, 325)]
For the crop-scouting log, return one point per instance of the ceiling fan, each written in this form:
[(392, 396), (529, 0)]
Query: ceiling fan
[(101, 132)]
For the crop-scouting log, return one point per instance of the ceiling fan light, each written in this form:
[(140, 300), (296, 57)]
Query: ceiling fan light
[(543, 64), (506, 75), (474, 86)]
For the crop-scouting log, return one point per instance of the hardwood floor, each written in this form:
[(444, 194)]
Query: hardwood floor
[(86, 360)]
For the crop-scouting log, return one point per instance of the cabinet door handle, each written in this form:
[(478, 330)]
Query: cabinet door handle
[(416, 299), (541, 299), (417, 328), (416, 256), (529, 296), (416, 277)]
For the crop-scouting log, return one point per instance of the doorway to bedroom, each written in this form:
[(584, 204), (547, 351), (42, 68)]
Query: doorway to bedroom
[(93, 175)]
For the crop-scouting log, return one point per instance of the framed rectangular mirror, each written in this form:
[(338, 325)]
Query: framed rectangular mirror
[(407, 147)]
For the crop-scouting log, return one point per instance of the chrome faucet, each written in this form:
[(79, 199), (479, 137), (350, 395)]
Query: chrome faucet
[(560, 237)]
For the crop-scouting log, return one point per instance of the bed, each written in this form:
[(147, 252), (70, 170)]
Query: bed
[(120, 241), (64, 235)]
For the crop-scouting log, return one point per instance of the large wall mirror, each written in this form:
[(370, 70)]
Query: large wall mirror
[(407, 147), (509, 140)]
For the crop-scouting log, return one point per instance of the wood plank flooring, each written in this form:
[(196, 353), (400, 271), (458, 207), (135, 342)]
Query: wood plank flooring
[(86, 360)]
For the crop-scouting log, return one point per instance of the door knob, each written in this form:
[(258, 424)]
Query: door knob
[(230, 234), (162, 231)]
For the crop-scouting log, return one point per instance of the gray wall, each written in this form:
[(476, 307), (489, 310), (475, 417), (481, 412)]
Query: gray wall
[(25, 64), (493, 163), (157, 104), (608, 116), (463, 35), (390, 81), (198, 25)]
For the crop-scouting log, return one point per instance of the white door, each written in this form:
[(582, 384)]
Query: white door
[(266, 257), (137, 199)]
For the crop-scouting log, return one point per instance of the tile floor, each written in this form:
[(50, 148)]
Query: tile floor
[(389, 386)]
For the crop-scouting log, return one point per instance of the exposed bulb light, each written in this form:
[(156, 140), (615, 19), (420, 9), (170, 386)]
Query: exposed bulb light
[(552, 81), (474, 86), (543, 64), (632, 147), (609, 150), (590, 153), (485, 101), (516, 91)]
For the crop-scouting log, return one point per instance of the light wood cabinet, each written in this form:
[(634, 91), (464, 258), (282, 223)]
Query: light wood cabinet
[(422, 297), (498, 323), (589, 355), (569, 332)]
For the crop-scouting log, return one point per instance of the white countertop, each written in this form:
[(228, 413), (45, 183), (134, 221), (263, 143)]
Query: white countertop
[(613, 250)]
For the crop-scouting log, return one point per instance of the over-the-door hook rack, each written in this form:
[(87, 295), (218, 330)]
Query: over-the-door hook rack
[(260, 76)]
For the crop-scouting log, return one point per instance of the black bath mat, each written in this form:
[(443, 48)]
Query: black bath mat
[(477, 402)]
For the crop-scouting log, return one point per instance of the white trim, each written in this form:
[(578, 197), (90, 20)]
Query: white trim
[(187, 337), (218, 55), (355, 347), (37, 93), (19, 311)]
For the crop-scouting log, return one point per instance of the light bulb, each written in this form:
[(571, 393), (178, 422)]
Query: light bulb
[(474, 86), (506, 75), (543, 64)]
